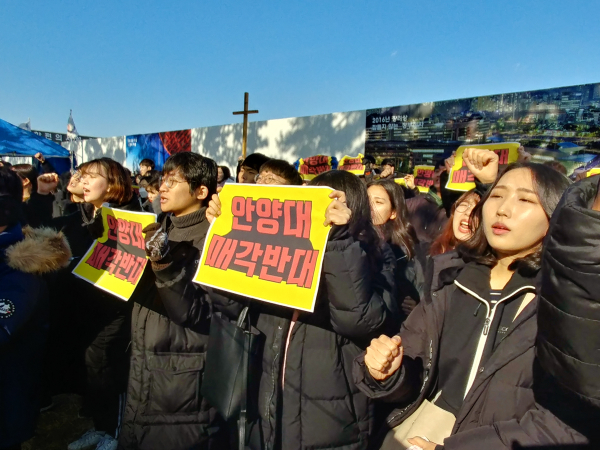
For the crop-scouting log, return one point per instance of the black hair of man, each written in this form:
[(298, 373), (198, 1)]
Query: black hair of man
[(152, 180), (196, 169), (388, 162), (283, 169), (11, 197), (255, 160), (368, 159), (147, 162)]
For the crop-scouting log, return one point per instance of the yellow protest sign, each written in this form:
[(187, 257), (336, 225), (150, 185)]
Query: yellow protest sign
[(115, 262), (424, 177), (352, 164), (315, 165), (593, 172), (400, 181), (461, 178), (268, 244)]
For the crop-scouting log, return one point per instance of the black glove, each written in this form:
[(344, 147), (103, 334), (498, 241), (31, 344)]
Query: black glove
[(157, 242)]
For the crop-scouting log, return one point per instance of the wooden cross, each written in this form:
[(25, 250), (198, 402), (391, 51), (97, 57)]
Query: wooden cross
[(245, 112)]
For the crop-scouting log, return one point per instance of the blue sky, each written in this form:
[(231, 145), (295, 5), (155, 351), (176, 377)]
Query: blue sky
[(128, 67)]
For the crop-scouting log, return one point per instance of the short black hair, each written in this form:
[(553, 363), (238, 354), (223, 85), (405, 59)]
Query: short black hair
[(197, 170), (11, 197), (255, 161), (152, 180), (388, 162), (147, 162), (284, 170), (368, 159)]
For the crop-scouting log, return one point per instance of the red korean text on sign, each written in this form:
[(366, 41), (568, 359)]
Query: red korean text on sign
[(263, 216), (275, 263), (123, 265), (119, 257)]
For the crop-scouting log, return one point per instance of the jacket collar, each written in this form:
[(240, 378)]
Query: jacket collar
[(188, 220), (475, 280)]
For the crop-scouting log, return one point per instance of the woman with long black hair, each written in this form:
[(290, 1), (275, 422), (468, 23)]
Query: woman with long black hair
[(463, 361), (390, 217), (306, 396)]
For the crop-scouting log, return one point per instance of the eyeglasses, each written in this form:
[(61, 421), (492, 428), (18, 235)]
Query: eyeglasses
[(464, 207), (269, 179), (170, 182)]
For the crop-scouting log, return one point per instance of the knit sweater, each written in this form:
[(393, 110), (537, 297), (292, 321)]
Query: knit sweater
[(188, 228)]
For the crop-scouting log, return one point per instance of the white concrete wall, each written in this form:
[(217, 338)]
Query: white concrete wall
[(14, 160), (112, 147), (335, 134)]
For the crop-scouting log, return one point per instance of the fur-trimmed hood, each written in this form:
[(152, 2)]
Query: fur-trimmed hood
[(42, 250)]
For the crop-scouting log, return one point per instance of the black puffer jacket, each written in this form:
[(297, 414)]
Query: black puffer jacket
[(319, 406), (499, 408), (568, 344), (90, 328), (170, 328)]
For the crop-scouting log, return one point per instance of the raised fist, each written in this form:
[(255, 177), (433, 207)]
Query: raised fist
[(482, 163), (47, 183)]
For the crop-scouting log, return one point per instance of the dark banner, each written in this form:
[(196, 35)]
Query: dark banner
[(59, 138), (552, 124)]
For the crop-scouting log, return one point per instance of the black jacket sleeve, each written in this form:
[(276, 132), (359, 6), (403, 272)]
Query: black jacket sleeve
[(38, 210), (362, 301), (569, 311), (186, 302), (404, 386)]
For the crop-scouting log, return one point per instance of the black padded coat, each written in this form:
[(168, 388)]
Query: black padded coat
[(500, 408), (319, 406), (169, 335), (568, 343)]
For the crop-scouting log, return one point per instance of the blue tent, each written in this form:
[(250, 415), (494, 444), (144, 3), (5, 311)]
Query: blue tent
[(15, 141)]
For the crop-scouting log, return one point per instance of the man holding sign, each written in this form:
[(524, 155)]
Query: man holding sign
[(170, 329), (307, 397)]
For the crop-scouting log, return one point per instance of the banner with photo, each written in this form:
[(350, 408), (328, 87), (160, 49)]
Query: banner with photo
[(561, 124), (156, 146)]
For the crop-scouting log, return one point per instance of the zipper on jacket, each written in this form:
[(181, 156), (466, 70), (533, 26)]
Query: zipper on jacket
[(489, 318)]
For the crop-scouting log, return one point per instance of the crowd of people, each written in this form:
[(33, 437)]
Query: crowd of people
[(443, 320)]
